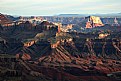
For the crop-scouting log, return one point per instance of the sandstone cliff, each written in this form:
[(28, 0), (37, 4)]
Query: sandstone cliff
[(93, 21)]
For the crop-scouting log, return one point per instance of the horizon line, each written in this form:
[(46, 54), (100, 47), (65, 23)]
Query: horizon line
[(63, 14)]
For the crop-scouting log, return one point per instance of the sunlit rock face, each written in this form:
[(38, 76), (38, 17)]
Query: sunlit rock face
[(93, 21)]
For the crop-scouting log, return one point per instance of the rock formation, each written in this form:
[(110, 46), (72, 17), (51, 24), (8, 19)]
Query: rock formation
[(93, 21), (4, 21)]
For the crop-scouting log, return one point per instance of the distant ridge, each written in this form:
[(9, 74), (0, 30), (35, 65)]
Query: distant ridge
[(83, 15), (111, 15), (73, 15)]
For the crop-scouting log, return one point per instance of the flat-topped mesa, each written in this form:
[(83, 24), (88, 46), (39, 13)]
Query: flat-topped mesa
[(93, 22)]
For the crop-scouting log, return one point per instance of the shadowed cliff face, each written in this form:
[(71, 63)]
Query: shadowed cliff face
[(11, 46), (101, 47), (76, 60), (106, 48), (62, 64)]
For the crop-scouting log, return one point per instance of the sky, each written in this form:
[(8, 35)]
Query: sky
[(55, 7)]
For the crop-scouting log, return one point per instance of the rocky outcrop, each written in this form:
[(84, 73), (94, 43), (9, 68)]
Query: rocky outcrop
[(26, 26), (58, 54), (45, 25), (100, 47), (4, 21), (10, 46), (93, 21), (82, 69)]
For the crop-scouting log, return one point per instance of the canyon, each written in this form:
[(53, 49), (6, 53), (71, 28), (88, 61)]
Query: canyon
[(45, 53)]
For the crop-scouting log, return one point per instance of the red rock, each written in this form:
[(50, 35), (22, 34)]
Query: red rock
[(4, 21), (26, 57)]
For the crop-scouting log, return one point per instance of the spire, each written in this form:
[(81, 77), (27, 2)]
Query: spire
[(115, 21), (59, 26)]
